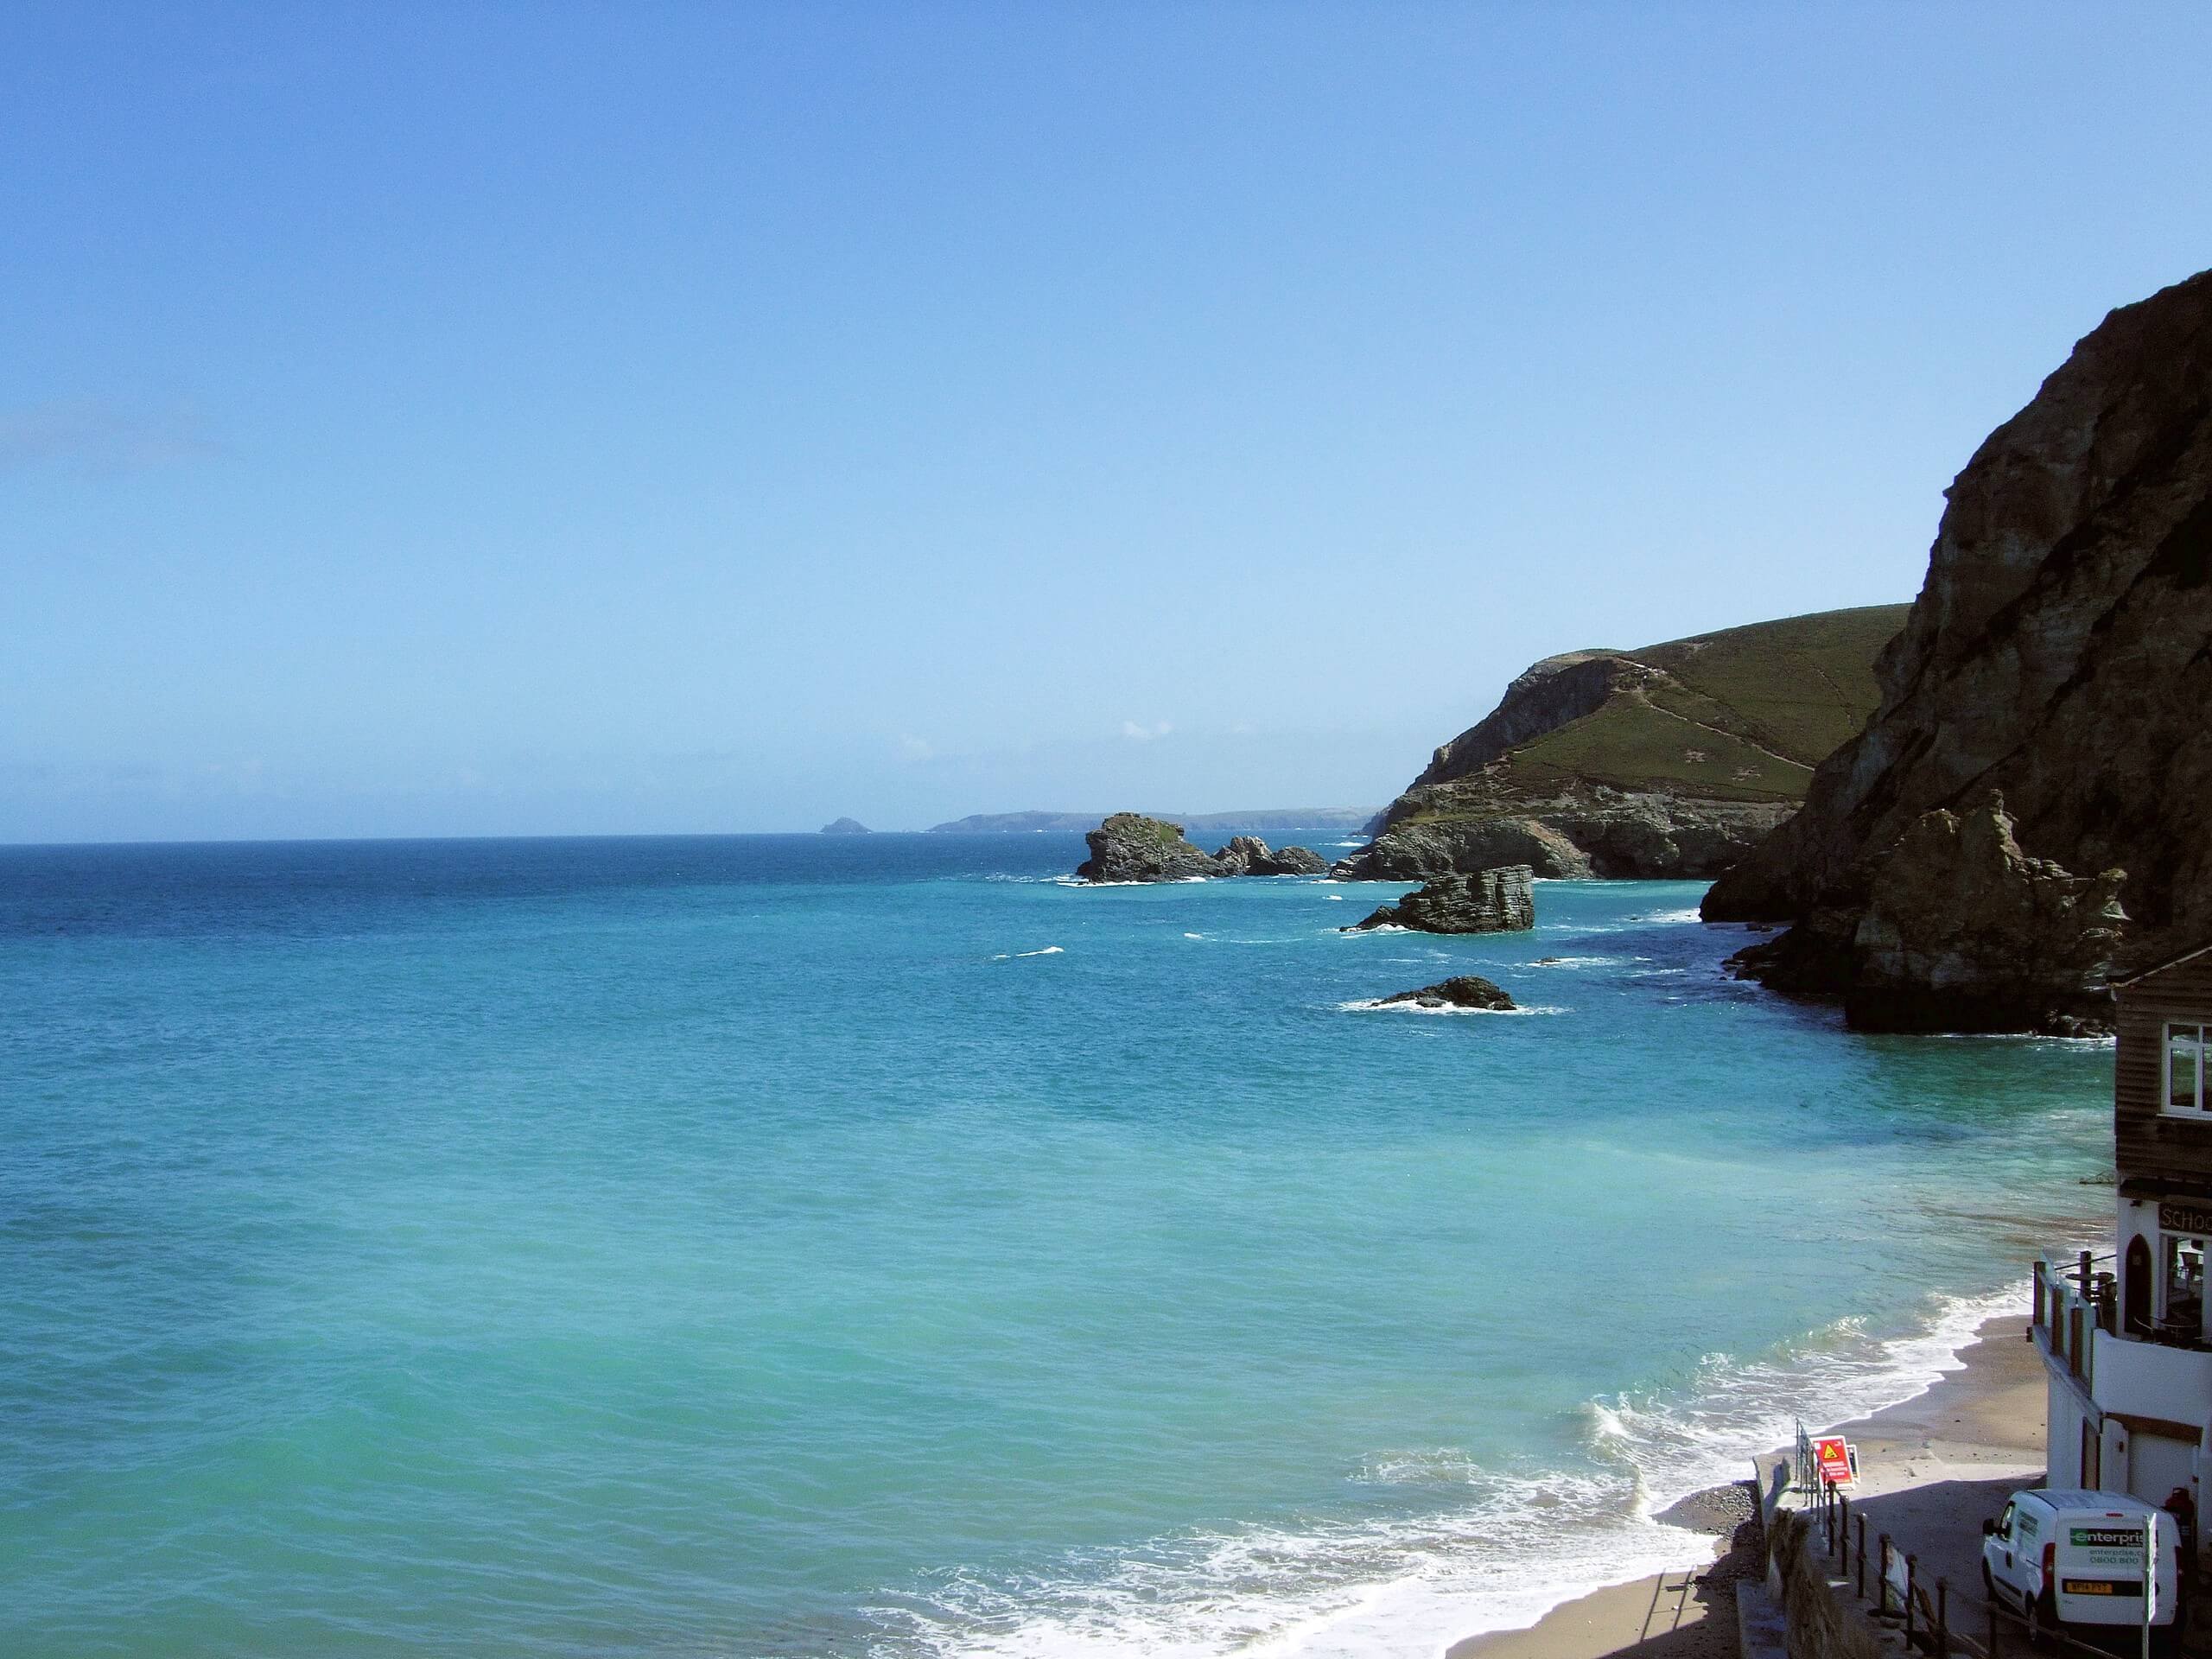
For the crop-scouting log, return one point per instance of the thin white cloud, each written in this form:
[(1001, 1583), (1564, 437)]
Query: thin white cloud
[(1138, 733), (916, 749), (92, 435)]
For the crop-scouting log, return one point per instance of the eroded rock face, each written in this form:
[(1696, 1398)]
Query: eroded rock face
[(1460, 991), (1130, 847), (1962, 931), (1489, 901), (2061, 652)]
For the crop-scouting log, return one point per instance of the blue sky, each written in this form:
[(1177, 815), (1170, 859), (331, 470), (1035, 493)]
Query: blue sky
[(433, 419)]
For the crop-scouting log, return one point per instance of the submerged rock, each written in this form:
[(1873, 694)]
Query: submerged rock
[(1460, 991), (1489, 901)]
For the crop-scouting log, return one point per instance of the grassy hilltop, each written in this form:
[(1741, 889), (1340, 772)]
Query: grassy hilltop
[(1742, 715)]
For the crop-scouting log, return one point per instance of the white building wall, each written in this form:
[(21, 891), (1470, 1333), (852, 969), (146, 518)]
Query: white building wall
[(2064, 1415)]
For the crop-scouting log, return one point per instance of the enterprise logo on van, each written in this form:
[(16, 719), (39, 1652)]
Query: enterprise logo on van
[(2106, 1538)]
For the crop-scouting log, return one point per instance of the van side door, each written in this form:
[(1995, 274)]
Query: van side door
[(1997, 1549)]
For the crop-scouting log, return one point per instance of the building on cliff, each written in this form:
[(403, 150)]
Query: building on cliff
[(2126, 1338)]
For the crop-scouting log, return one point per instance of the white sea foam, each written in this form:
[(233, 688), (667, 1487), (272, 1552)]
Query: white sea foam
[(1579, 962), (1515, 1546), (1690, 915), (1015, 956), (2036, 1038), (1194, 935), (1376, 1005)]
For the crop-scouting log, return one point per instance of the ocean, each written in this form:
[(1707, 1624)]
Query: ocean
[(790, 1245)]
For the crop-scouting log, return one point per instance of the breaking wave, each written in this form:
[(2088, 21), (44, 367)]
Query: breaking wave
[(1479, 1550), (1377, 1005)]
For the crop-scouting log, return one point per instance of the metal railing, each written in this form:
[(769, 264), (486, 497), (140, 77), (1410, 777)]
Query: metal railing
[(2072, 1304), (1902, 1599)]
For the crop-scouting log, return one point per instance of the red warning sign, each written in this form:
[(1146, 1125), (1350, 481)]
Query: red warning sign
[(1833, 1458)]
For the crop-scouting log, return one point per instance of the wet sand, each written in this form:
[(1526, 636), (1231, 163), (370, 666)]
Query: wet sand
[(1930, 1469)]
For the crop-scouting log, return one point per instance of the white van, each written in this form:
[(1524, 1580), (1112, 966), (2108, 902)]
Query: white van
[(2071, 1559)]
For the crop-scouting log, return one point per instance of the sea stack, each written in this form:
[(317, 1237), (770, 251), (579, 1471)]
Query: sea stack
[(845, 827), (1501, 900), (1130, 847)]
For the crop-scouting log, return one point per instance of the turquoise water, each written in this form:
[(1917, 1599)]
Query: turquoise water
[(791, 1246)]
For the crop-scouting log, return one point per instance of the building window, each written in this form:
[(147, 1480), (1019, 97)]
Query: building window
[(2184, 1068), (2184, 1285)]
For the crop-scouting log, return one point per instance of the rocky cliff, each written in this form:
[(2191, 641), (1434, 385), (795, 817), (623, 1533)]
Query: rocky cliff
[(1671, 760), (2022, 808)]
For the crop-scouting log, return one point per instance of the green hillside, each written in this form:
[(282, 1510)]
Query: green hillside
[(1741, 715), (1801, 686), (1744, 715)]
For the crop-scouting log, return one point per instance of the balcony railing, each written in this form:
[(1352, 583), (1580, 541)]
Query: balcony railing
[(2077, 1325), (2070, 1310)]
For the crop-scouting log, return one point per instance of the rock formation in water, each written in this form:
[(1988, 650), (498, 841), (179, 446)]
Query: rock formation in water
[(845, 827), (2059, 655), (1130, 847), (1460, 991), (1673, 761), (1489, 901), (1249, 856)]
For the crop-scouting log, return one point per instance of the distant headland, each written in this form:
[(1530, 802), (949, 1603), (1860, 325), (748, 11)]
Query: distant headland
[(1350, 819)]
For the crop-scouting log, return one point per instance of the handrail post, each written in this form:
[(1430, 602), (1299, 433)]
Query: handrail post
[(1882, 1579), (2084, 1275), (1942, 1618), (1911, 1565), (2041, 1313), (1858, 1584)]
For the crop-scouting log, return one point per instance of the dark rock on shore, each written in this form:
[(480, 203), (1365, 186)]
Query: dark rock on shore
[(845, 827), (1489, 901), (1460, 991), (1672, 761), (1130, 847), (2057, 654)]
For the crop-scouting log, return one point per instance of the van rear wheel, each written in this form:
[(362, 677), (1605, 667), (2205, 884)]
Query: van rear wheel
[(2042, 1619)]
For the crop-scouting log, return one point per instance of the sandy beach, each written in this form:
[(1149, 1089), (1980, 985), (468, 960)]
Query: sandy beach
[(1931, 1468)]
